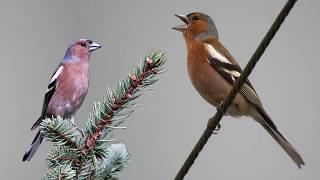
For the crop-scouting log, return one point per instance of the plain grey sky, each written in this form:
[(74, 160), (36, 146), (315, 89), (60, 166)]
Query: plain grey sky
[(34, 37)]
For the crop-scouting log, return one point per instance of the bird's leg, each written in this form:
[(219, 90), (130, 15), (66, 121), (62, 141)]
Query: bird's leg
[(218, 127), (73, 124), (211, 123), (215, 131)]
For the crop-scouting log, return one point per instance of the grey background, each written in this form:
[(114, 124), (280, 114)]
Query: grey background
[(34, 37)]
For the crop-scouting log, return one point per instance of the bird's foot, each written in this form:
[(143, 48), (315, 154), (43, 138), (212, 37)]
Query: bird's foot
[(80, 130), (219, 110), (215, 131)]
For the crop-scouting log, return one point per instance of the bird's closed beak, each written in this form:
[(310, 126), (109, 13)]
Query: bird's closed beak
[(94, 46), (183, 18)]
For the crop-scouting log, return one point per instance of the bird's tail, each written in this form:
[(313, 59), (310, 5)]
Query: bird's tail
[(268, 125), (33, 147)]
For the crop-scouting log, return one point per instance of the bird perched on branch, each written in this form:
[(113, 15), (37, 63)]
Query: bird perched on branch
[(67, 88), (213, 71)]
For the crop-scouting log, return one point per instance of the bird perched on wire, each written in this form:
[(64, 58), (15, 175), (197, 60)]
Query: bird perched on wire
[(67, 88), (213, 71)]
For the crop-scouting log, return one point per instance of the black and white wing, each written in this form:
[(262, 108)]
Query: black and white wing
[(49, 93), (231, 72)]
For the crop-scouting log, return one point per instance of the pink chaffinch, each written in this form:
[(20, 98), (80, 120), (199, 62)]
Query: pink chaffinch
[(213, 71), (67, 88)]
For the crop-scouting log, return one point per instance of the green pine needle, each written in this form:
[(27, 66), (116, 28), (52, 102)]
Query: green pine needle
[(61, 132), (93, 156), (104, 115), (61, 155), (65, 172), (115, 162)]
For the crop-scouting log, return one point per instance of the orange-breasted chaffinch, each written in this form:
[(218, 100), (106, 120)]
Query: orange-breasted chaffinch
[(213, 71), (67, 88)]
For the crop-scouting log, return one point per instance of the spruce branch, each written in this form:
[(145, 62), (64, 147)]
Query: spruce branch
[(116, 161), (61, 132), (107, 113), (64, 172), (60, 155), (104, 116), (93, 155)]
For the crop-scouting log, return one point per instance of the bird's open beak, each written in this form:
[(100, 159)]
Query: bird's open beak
[(183, 18), (94, 46)]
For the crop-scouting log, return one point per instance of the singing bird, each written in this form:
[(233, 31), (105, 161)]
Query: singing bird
[(67, 88), (213, 71)]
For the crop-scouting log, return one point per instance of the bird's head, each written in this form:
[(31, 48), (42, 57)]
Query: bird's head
[(81, 50), (198, 26)]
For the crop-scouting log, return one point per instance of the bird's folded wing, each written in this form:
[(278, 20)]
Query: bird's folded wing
[(231, 72), (49, 93)]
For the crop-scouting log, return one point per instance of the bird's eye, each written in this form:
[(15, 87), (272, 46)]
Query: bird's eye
[(195, 18), (83, 44)]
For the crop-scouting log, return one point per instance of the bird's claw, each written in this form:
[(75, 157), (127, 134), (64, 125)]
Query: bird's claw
[(80, 130), (215, 131)]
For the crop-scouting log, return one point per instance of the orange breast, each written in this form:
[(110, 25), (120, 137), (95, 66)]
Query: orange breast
[(204, 78), (209, 83)]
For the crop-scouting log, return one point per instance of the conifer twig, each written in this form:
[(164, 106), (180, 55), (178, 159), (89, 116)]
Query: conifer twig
[(94, 156)]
